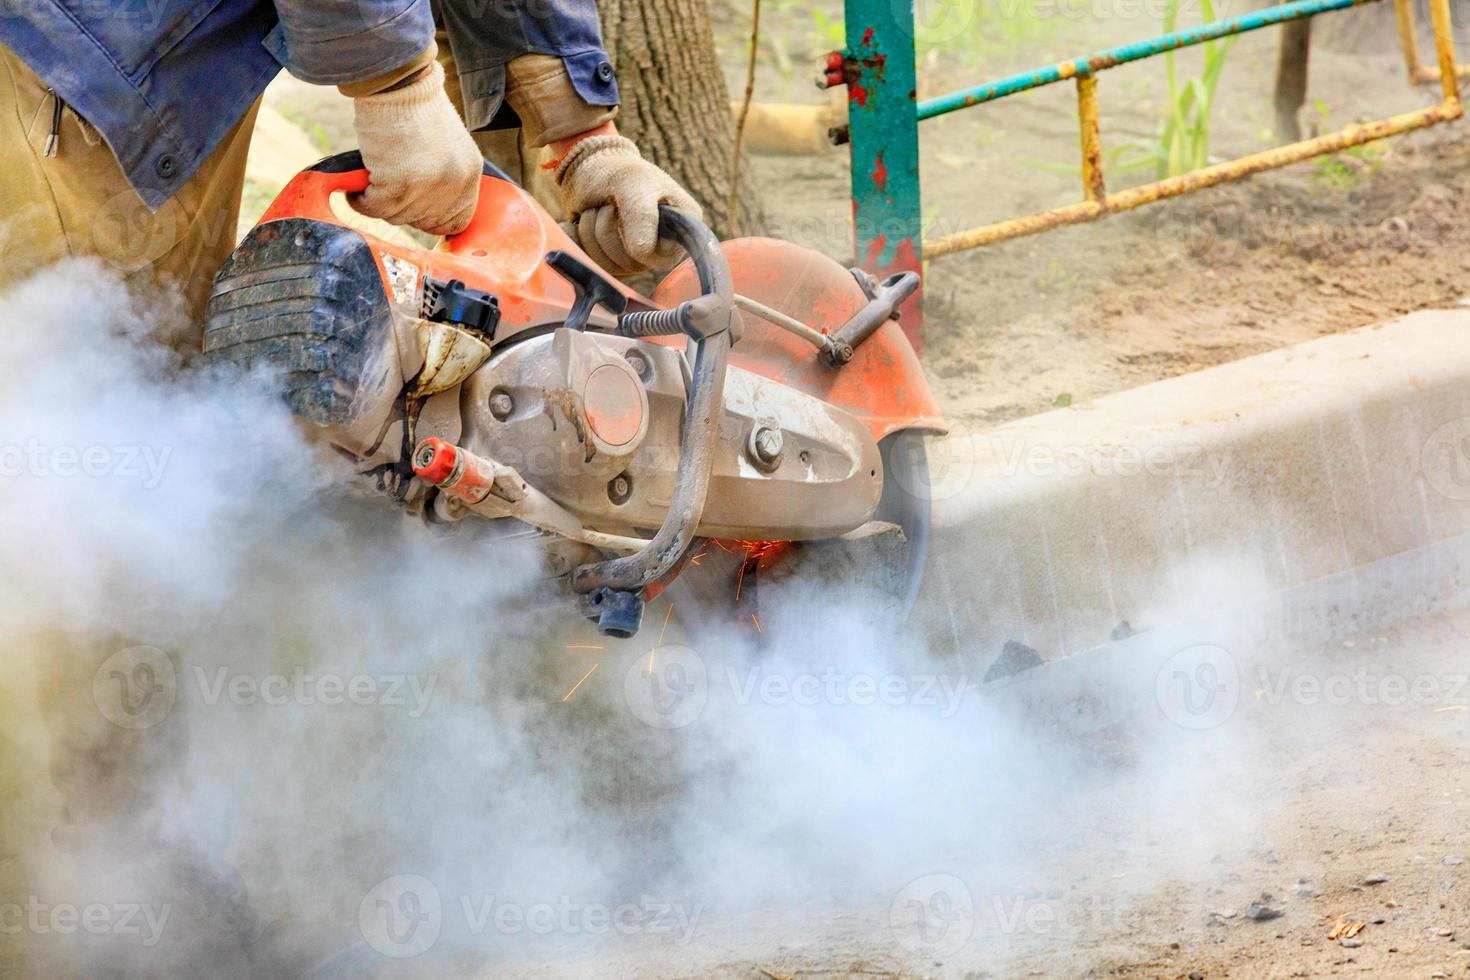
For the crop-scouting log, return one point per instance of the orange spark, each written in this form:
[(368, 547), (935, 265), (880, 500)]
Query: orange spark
[(566, 697)]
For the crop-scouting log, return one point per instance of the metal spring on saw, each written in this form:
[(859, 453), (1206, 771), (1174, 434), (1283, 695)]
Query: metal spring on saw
[(653, 323)]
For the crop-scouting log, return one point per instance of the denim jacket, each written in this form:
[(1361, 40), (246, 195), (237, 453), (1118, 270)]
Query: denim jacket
[(165, 80)]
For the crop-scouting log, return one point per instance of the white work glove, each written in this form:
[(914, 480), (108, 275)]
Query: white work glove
[(424, 166), (612, 195)]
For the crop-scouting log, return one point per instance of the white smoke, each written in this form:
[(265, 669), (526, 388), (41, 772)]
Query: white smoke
[(371, 759)]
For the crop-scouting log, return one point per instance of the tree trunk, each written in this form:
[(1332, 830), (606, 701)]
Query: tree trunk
[(675, 103), (1291, 78)]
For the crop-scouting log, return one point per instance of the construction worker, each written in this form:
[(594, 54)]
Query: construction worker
[(125, 126), (124, 129)]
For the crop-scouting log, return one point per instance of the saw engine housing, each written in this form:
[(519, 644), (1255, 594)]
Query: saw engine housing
[(577, 428)]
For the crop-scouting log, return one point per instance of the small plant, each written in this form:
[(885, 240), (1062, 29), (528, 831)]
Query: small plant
[(1344, 171), (1183, 143), (1183, 140)]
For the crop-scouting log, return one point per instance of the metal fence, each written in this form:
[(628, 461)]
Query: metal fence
[(878, 69)]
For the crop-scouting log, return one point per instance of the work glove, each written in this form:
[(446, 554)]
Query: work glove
[(423, 164), (612, 195)]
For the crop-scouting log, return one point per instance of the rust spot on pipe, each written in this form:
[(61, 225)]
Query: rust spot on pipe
[(880, 174), (1093, 186), (1137, 197)]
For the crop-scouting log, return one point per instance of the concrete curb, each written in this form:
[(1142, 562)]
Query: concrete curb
[(1329, 481)]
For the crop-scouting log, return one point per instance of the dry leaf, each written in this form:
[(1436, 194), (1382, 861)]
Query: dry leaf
[(1346, 930)]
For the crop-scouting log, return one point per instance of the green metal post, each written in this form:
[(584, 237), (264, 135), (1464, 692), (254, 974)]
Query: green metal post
[(878, 67)]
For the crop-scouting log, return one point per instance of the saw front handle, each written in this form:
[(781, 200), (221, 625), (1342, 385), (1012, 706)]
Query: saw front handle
[(309, 195), (614, 588)]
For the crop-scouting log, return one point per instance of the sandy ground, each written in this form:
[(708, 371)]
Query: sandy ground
[(1337, 768)]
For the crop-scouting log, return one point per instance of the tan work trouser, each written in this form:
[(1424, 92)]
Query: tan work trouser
[(506, 148), (78, 203), (106, 779)]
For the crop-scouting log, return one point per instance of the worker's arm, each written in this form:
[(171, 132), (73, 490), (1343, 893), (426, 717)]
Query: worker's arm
[(540, 64), (424, 166)]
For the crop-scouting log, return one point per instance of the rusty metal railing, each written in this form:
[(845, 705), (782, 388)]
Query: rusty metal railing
[(1419, 73), (1097, 202), (878, 68)]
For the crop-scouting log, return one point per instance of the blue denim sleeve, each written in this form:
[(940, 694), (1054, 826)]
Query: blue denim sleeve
[(485, 36), (338, 42)]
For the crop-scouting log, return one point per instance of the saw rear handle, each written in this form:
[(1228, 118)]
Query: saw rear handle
[(614, 588)]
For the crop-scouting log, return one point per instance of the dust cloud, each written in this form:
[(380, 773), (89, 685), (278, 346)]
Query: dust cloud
[(258, 727)]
